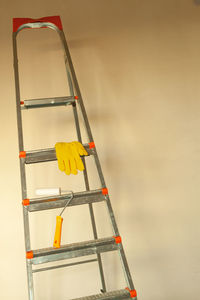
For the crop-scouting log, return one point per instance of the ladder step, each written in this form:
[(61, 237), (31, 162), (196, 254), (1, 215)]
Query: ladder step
[(44, 155), (45, 255), (117, 295), (44, 203), (47, 102)]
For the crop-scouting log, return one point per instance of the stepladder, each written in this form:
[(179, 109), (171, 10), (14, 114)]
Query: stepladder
[(92, 250)]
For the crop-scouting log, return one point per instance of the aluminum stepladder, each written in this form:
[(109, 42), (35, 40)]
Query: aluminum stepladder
[(96, 246)]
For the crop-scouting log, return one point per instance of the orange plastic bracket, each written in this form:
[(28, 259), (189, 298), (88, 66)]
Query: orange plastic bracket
[(104, 191), (118, 239), (22, 154), (29, 254), (133, 293), (91, 145), (26, 202)]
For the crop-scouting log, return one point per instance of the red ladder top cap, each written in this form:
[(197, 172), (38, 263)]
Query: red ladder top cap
[(17, 22)]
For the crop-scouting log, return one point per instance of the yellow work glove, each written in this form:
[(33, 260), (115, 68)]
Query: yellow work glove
[(68, 156)]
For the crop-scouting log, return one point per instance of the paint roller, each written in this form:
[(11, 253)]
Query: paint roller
[(59, 219)]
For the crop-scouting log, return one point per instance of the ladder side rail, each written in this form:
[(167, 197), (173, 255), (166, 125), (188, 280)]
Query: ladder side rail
[(80, 101), (22, 169), (103, 290), (86, 180), (75, 82), (71, 88), (125, 268), (124, 262), (20, 140), (110, 210)]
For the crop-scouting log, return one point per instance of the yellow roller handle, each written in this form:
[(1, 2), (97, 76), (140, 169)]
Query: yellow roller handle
[(57, 236)]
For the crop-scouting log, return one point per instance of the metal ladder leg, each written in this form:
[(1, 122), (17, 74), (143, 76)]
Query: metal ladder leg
[(22, 171), (86, 180), (100, 173), (90, 205)]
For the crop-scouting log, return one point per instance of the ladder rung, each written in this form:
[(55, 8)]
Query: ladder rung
[(114, 295), (44, 155), (65, 265), (74, 250), (47, 102), (52, 202)]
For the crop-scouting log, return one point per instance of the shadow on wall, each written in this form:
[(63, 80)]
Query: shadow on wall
[(197, 2)]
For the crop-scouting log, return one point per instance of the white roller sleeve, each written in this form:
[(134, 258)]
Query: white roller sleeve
[(48, 192)]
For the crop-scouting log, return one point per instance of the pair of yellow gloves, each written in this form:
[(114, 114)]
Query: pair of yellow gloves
[(68, 156)]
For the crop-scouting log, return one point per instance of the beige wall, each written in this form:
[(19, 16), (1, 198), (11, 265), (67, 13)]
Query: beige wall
[(138, 67)]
